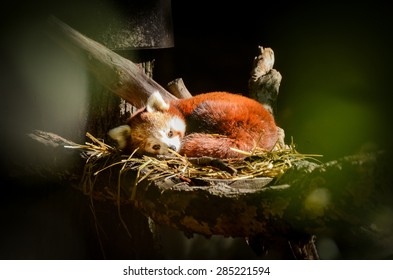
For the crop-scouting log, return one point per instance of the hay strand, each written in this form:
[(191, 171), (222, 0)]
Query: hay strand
[(257, 163)]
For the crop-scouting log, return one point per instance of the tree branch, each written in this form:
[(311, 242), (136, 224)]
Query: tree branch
[(116, 73), (178, 88), (347, 199), (264, 82)]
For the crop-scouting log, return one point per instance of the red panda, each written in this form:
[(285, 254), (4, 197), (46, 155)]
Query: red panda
[(208, 124)]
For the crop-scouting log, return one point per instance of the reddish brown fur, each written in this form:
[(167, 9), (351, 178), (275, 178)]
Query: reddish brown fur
[(219, 121), (213, 123)]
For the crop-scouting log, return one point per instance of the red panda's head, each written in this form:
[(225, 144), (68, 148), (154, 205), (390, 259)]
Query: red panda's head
[(151, 130)]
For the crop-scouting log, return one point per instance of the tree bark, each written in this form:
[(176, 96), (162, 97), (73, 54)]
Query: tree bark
[(178, 88), (264, 82), (309, 198)]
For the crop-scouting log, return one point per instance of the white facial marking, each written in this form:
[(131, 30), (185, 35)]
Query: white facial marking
[(169, 142), (169, 136), (178, 124)]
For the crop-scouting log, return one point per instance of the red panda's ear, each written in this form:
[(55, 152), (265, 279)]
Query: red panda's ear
[(121, 134), (156, 103)]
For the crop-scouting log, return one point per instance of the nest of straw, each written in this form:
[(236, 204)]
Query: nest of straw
[(258, 163)]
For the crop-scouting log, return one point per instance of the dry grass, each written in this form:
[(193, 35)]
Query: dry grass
[(258, 163), (102, 159)]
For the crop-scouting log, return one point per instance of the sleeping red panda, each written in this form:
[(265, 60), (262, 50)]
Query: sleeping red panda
[(208, 124)]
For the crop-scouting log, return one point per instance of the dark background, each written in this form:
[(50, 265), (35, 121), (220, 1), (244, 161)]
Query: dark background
[(335, 96), (334, 58)]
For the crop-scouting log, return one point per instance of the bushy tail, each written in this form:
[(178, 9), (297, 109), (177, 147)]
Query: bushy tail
[(213, 145)]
